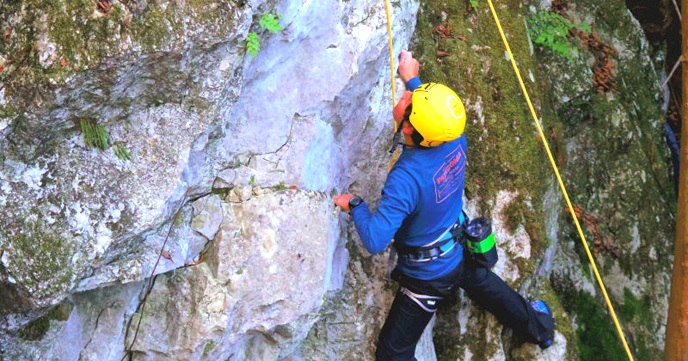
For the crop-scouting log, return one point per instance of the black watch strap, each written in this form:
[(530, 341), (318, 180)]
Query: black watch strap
[(354, 202)]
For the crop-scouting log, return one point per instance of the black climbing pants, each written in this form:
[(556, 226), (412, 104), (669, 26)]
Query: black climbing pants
[(414, 305)]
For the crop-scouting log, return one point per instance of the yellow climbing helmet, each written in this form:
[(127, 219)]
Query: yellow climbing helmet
[(438, 114)]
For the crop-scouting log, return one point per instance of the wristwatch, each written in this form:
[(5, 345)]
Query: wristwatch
[(354, 202)]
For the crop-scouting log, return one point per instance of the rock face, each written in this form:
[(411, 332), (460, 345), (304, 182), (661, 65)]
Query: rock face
[(167, 195), (196, 144), (259, 291)]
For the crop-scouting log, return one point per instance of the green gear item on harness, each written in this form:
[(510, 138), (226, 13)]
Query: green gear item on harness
[(482, 246), (480, 242)]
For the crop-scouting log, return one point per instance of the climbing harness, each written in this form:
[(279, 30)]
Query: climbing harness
[(440, 247), (426, 302), (436, 249), (561, 183), (547, 149)]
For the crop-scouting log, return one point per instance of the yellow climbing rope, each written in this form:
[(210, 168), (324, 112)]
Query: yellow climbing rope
[(561, 183), (391, 67), (544, 142), (391, 56)]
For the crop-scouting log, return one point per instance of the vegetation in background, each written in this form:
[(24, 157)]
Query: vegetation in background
[(271, 23), (209, 346), (267, 22), (550, 30), (596, 335), (638, 310)]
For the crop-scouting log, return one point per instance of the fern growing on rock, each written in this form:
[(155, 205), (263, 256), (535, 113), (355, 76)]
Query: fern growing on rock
[(549, 30), (270, 23), (252, 44), (267, 22)]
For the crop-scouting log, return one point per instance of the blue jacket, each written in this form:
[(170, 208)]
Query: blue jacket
[(422, 198)]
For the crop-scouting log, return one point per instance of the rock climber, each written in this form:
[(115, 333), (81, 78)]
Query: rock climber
[(421, 204)]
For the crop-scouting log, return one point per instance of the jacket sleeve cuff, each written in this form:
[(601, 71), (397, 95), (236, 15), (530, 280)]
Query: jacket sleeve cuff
[(413, 83)]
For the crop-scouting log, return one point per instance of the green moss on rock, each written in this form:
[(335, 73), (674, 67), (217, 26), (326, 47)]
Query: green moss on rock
[(639, 311), (49, 41), (596, 336), (36, 329), (40, 259), (209, 346)]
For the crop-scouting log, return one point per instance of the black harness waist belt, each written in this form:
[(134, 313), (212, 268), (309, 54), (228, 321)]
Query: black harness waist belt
[(435, 250), (425, 255)]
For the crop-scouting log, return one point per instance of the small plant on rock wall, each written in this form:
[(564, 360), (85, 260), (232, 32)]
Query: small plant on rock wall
[(549, 30), (96, 136), (121, 152), (267, 22), (252, 44), (271, 23)]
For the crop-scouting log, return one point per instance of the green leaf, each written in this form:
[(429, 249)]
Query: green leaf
[(550, 30), (270, 23), (252, 44), (585, 27), (95, 135), (122, 153)]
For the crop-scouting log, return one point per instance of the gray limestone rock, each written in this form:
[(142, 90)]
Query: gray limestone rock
[(224, 205), (262, 284)]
